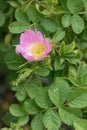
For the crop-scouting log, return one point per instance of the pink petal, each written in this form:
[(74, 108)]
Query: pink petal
[(18, 49), (27, 57), (39, 37), (48, 45), (27, 38)]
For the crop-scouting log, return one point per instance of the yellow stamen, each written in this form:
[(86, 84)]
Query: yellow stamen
[(38, 49)]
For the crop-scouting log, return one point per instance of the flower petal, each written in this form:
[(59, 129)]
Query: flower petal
[(27, 38), (48, 45), (18, 49), (39, 37)]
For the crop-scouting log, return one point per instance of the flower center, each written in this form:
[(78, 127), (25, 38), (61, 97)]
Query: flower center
[(38, 49)]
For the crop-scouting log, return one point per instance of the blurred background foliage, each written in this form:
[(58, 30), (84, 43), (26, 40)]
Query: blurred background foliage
[(57, 19)]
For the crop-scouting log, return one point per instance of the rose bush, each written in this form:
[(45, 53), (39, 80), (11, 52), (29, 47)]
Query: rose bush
[(51, 83)]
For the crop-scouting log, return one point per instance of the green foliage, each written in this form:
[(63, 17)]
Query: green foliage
[(49, 24), (38, 119), (54, 90), (71, 115), (2, 16), (77, 24), (51, 120), (59, 91), (66, 20), (75, 6), (16, 110), (80, 125), (31, 107), (78, 98)]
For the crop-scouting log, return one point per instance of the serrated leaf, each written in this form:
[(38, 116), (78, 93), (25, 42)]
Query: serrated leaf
[(51, 120), (16, 110), (59, 91), (71, 115), (42, 99), (37, 120), (23, 120), (33, 87), (84, 80), (66, 20), (77, 24), (31, 107), (82, 70), (78, 98), (72, 72), (80, 124), (74, 81), (75, 6), (49, 24)]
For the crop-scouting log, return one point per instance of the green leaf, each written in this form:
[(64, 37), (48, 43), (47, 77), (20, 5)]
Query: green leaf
[(71, 115), (78, 98), (13, 4), (59, 64), (33, 87), (59, 35), (23, 74), (51, 120), (69, 48), (64, 4), (77, 24), (2, 18), (72, 72), (62, 48), (74, 81), (42, 71), (66, 20), (31, 107), (75, 6), (82, 70), (80, 124), (23, 120), (12, 60), (37, 120), (59, 92), (84, 80), (84, 34), (85, 6), (49, 24), (33, 14), (21, 16), (18, 27), (8, 117), (42, 99), (16, 110), (21, 94)]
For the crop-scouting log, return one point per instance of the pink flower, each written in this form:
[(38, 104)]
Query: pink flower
[(33, 46)]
